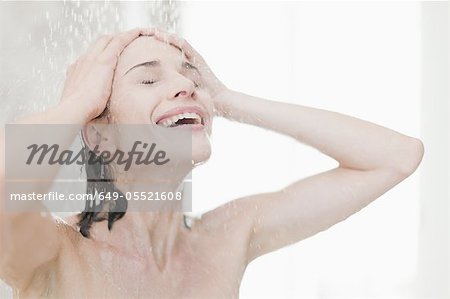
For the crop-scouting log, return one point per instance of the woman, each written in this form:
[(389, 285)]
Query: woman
[(138, 78)]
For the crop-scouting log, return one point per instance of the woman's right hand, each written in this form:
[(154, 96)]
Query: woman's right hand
[(89, 80)]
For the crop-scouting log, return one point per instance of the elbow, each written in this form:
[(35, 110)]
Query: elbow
[(409, 157)]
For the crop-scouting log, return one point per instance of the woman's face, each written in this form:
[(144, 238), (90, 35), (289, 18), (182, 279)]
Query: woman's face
[(155, 84)]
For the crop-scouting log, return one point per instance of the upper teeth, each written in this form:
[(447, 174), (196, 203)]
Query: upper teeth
[(173, 119)]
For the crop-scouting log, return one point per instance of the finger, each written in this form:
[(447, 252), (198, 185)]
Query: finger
[(70, 69), (96, 48), (120, 41), (73, 68), (178, 42), (170, 38), (149, 31)]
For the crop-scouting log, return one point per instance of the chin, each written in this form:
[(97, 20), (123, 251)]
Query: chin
[(201, 149)]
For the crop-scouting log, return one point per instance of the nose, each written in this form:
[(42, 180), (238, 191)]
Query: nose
[(183, 88)]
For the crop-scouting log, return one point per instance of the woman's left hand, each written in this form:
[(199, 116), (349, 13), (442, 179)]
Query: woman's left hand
[(211, 83)]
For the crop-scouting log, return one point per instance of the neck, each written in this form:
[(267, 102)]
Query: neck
[(146, 235), (154, 196), (150, 227)]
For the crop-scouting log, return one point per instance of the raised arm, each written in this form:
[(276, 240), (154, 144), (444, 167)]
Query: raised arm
[(372, 159), (29, 240)]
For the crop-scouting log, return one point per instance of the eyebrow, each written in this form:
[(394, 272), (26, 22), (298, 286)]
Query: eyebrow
[(157, 63)]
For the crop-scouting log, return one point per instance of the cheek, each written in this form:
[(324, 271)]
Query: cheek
[(134, 104), (205, 100)]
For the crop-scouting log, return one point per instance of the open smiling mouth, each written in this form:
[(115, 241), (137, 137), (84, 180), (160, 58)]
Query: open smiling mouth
[(187, 119)]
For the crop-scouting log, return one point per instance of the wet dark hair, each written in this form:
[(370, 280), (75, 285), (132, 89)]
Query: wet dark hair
[(100, 180)]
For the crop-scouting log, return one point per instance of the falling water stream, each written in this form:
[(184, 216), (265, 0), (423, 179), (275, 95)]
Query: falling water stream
[(40, 39)]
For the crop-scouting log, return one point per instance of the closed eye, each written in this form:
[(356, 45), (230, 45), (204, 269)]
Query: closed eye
[(147, 81)]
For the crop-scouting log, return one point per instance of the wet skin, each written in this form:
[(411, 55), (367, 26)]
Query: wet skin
[(147, 255), (207, 261), (153, 255)]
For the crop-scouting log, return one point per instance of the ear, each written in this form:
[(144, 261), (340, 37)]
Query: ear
[(97, 134)]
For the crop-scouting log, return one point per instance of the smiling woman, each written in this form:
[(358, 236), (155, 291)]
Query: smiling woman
[(154, 78)]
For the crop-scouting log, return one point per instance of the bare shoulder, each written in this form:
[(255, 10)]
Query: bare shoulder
[(68, 231), (44, 274), (232, 218)]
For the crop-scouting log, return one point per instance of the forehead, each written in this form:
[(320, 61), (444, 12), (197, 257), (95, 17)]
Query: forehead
[(147, 48)]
